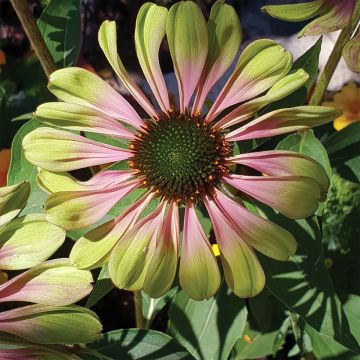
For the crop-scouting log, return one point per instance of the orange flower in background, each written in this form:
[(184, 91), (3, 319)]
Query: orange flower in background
[(5, 155), (348, 100), (2, 57)]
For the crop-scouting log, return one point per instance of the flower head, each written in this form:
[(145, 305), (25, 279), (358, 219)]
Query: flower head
[(347, 100), (331, 15), (179, 157)]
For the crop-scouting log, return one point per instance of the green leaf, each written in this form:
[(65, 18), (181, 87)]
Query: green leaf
[(102, 287), (304, 285), (151, 306), (20, 169), (344, 151), (307, 143), (139, 344), (309, 61), (210, 328), (325, 348), (345, 143), (60, 25), (254, 344)]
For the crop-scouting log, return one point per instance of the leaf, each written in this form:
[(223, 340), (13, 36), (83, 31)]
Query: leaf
[(139, 344), (102, 287), (345, 143), (151, 306), (307, 143), (60, 25), (309, 61), (344, 151), (20, 169), (303, 284), (254, 344), (325, 348), (210, 328)]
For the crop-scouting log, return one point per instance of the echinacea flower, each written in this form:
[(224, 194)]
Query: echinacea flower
[(331, 15), (347, 100), (179, 156)]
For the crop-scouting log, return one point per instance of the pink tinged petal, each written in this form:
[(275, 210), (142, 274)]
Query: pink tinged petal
[(78, 209), (243, 272), (284, 121), (12, 200), (163, 263), (93, 249), (81, 118), (108, 42), (278, 91), (52, 324), (55, 182), (351, 53), (82, 87), (296, 197), (224, 33), (27, 241), (37, 353), (336, 15), (130, 258), (294, 12), (199, 272), (149, 33), (263, 235), (278, 163), (54, 282), (57, 150), (259, 67), (188, 43)]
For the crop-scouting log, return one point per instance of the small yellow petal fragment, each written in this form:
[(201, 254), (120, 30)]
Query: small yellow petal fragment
[(215, 249), (248, 339)]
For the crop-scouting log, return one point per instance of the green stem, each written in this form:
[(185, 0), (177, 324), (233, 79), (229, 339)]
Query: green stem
[(32, 31), (139, 318), (335, 56)]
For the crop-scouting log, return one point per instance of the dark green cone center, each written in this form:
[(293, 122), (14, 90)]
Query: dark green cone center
[(180, 157)]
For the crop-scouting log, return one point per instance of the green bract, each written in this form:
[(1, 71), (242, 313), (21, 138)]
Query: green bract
[(332, 15)]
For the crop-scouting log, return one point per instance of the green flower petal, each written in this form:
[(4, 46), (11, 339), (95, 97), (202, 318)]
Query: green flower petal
[(294, 12), (162, 266), (108, 43), (188, 43), (52, 324), (224, 33), (149, 33), (27, 241), (259, 67), (82, 87), (243, 272), (80, 118), (278, 91), (130, 258), (199, 272), (351, 53), (12, 200), (54, 182), (54, 282)]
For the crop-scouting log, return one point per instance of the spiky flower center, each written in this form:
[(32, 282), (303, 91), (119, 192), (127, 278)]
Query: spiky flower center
[(180, 157)]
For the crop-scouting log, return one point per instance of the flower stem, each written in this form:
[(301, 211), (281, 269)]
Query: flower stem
[(335, 56), (32, 31), (139, 318), (325, 77)]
